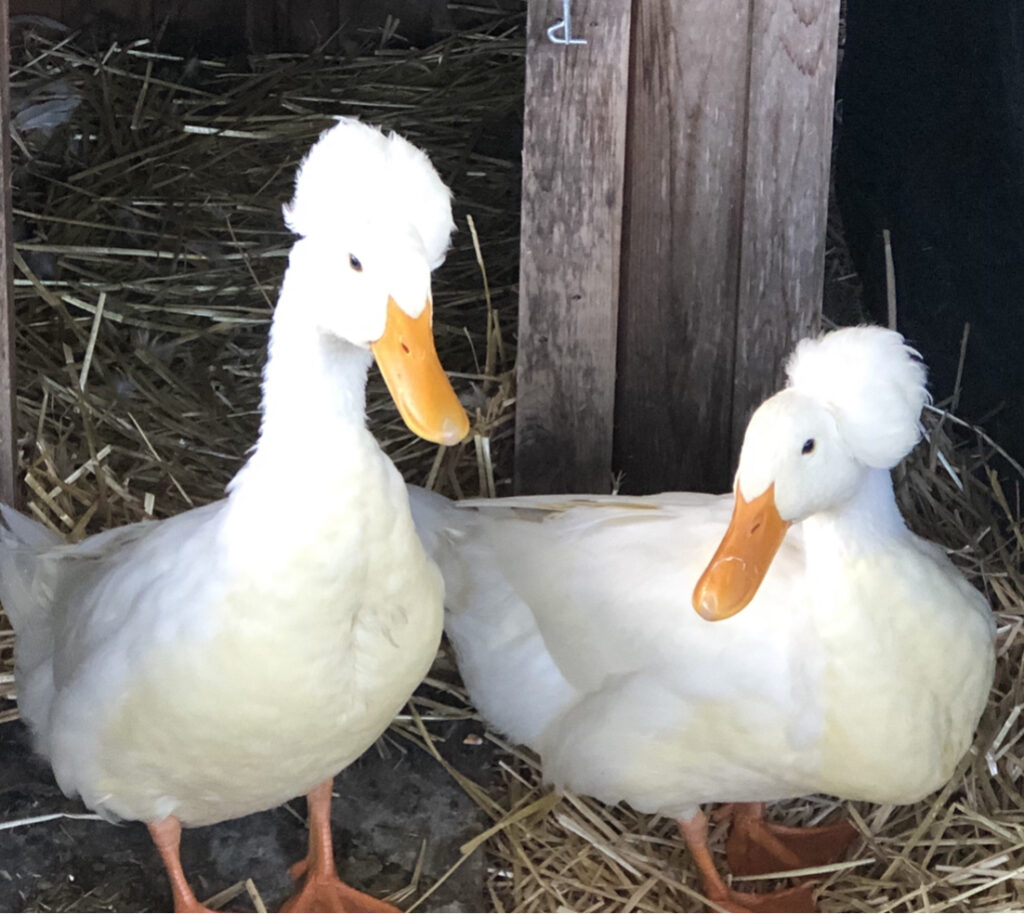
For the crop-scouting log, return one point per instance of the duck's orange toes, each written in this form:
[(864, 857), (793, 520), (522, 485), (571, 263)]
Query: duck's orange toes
[(694, 830), (323, 893), (322, 890), (799, 900), (755, 847)]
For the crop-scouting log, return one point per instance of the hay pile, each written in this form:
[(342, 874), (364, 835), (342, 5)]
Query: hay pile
[(150, 248), (151, 245)]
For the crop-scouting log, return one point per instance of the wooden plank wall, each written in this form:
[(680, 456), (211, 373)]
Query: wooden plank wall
[(684, 203), (574, 152), (725, 197), (785, 201)]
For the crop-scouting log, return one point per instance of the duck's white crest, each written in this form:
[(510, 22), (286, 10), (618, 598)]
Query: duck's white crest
[(852, 405), (387, 185), (873, 382)]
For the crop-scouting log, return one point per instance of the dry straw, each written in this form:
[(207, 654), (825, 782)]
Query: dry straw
[(150, 248)]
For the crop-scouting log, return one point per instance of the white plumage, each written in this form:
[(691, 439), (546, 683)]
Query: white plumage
[(859, 668), (873, 382), (378, 181), (227, 659)]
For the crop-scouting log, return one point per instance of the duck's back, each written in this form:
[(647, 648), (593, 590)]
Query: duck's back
[(86, 614)]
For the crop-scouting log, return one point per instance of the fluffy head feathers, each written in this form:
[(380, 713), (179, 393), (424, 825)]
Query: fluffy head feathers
[(873, 383), (357, 179)]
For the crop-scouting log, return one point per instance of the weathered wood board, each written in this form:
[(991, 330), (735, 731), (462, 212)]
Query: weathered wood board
[(785, 201), (573, 157), (725, 190), (684, 201), (8, 434)]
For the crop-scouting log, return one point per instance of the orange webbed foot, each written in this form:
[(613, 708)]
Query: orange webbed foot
[(799, 899), (323, 893), (755, 847)]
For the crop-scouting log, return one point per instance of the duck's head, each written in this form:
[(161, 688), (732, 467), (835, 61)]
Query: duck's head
[(852, 404), (374, 218)]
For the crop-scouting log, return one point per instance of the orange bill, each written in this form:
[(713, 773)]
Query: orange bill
[(421, 390), (753, 537)]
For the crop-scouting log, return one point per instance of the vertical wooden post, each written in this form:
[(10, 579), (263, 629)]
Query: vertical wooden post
[(725, 178), (8, 431), (785, 203), (727, 189), (684, 200), (573, 160)]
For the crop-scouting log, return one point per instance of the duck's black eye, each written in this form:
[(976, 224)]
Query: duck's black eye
[(808, 446), (355, 263)]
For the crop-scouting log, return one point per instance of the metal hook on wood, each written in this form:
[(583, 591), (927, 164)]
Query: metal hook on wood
[(565, 26)]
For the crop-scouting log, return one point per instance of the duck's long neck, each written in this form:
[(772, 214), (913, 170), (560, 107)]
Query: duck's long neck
[(314, 391), (313, 438), (867, 522)]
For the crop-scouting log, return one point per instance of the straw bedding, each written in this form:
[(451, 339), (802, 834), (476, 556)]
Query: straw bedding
[(150, 246)]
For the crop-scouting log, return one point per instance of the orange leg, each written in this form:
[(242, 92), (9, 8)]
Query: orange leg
[(322, 890), (166, 836), (800, 898), (755, 846)]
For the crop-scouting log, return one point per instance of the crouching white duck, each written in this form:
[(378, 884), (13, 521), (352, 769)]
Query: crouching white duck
[(859, 668), (227, 659)]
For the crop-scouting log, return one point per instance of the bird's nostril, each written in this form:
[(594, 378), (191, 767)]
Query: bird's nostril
[(405, 348)]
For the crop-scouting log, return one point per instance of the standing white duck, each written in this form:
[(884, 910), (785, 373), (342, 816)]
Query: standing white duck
[(227, 659), (860, 667)]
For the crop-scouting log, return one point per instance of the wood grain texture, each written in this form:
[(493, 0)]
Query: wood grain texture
[(789, 141), (573, 160), (684, 190), (8, 433)]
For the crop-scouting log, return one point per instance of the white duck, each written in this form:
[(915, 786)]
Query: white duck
[(860, 667), (237, 655)]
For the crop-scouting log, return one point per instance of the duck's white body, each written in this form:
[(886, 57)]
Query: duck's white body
[(859, 669), (232, 657), (179, 685)]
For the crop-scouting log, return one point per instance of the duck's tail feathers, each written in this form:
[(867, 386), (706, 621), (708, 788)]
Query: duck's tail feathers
[(430, 513), (445, 531), (22, 576), (18, 530)]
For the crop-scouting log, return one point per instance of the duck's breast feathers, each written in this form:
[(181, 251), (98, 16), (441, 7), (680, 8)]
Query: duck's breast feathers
[(910, 660)]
